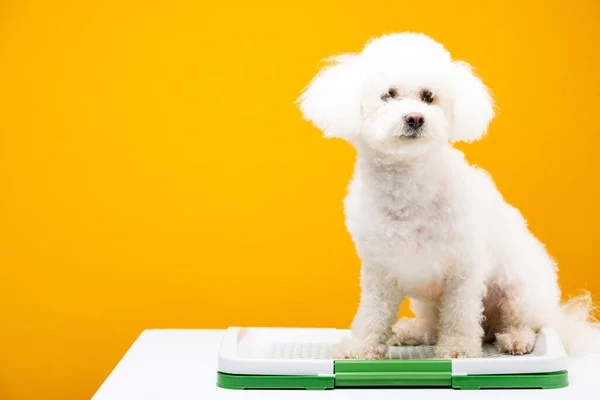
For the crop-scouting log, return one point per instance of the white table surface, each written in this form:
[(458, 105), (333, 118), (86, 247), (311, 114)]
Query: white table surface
[(182, 364)]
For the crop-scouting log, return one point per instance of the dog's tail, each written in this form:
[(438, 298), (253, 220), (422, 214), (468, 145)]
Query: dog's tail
[(577, 327)]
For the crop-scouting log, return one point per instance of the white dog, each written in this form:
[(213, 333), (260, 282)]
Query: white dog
[(425, 223)]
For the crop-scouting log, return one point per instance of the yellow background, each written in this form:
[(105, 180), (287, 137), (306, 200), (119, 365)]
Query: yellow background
[(155, 173)]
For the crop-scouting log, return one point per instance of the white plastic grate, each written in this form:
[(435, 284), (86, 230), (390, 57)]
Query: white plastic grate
[(310, 351), (322, 351), (424, 352), (411, 352), (307, 351)]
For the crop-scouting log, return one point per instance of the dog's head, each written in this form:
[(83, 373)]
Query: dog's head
[(398, 96)]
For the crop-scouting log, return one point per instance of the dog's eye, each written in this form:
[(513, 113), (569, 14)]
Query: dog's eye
[(427, 96), (392, 93)]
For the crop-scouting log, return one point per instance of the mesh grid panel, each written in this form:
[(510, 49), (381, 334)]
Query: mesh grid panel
[(321, 351), (313, 351)]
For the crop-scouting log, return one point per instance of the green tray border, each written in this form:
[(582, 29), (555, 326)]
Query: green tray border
[(232, 381), (400, 366), (550, 380), (393, 373)]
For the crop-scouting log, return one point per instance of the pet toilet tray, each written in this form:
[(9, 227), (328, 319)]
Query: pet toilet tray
[(299, 358)]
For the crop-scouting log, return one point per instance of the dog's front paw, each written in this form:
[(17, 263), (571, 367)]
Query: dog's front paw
[(458, 347), (409, 332), (352, 348)]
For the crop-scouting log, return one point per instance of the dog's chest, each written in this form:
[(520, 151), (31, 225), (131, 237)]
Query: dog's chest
[(409, 237)]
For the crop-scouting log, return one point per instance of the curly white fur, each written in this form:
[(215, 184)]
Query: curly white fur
[(425, 223)]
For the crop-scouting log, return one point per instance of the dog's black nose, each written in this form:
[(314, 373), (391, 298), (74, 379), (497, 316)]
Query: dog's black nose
[(415, 120)]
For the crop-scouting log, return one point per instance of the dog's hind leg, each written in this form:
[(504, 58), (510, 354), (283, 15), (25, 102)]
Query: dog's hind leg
[(513, 332), (419, 330)]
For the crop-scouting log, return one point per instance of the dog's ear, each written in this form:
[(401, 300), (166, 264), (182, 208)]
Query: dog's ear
[(473, 105), (332, 99)]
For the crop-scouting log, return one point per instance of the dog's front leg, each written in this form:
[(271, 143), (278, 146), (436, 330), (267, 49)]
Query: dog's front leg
[(459, 331), (377, 312)]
